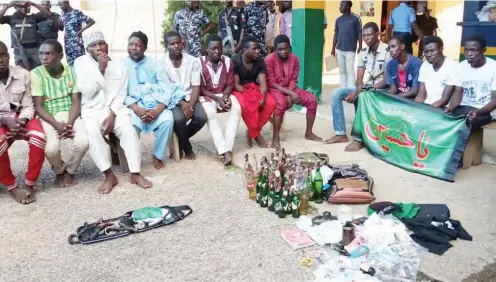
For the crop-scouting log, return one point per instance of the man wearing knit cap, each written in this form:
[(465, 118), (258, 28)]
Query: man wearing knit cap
[(150, 96), (103, 85)]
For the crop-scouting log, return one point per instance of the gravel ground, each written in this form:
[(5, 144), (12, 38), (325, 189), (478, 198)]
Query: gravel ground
[(227, 237)]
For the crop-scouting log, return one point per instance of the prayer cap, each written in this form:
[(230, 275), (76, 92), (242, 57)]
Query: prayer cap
[(92, 37)]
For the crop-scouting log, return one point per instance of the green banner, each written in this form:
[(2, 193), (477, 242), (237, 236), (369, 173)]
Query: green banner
[(411, 135)]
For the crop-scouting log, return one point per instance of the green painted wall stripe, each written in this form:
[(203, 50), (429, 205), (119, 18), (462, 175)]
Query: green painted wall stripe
[(308, 43)]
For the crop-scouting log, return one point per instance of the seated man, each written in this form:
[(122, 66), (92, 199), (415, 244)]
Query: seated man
[(475, 84), (403, 70), (282, 76), (434, 74), (371, 70), (216, 89), (103, 85), (149, 95), (58, 103), (17, 122), (250, 82), (184, 70)]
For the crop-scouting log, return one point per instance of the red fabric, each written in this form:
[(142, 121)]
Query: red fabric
[(284, 73), (226, 76), (36, 143), (307, 100), (403, 81), (249, 100)]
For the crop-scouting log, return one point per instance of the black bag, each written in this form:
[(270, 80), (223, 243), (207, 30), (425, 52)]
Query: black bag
[(118, 227), (433, 212)]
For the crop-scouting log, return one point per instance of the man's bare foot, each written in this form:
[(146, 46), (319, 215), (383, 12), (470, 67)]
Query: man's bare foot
[(227, 159), (275, 144), (190, 156), (261, 141), (60, 181), (248, 140), (69, 179), (139, 180), (312, 137), (354, 146), (30, 190), (337, 139), (21, 196), (109, 184), (158, 164)]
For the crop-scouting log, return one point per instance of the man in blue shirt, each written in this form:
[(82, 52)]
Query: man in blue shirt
[(402, 71), (347, 33), (401, 23)]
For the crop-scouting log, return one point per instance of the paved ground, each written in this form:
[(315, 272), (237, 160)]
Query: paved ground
[(227, 236), (471, 198)]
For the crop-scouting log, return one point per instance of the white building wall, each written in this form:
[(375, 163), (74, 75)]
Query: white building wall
[(117, 19)]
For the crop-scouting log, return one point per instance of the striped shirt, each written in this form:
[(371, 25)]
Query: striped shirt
[(56, 92)]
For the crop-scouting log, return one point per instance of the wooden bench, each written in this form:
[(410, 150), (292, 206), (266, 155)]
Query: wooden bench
[(174, 147), (473, 151), (119, 157), (116, 153)]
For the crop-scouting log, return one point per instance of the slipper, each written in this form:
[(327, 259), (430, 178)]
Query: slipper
[(326, 216)]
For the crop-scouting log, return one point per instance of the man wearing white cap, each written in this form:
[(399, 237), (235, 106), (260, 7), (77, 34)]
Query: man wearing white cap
[(103, 85)]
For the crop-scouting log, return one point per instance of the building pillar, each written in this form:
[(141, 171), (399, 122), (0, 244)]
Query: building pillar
[(83, 4), (308, 42)]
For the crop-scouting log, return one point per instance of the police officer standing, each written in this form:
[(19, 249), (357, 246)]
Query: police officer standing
[(24, 32), (231, 29), (402, 22), (49, 29), (256, 22)]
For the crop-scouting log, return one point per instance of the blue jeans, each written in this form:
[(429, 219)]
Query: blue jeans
[(338, 119)]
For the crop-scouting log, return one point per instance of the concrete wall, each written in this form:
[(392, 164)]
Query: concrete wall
[(448, 13), (117, 20)]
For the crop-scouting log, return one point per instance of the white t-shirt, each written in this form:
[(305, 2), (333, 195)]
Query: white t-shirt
[(435, 81), (477, 83)]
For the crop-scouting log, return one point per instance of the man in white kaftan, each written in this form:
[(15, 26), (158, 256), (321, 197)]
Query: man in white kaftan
[(103, 85)]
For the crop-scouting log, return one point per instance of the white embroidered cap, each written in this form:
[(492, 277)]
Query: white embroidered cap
[(92, 37)]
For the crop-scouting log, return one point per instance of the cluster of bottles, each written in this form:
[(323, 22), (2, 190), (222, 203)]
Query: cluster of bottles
[(282, 184)]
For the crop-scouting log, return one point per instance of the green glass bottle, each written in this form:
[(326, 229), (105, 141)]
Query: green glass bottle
[(282, 205), (264, 193), (310, 185), (259, 185), (295, 206), (318, 186)]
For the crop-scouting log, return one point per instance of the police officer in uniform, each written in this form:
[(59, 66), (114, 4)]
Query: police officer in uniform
[(49, 29), (24, 32), (231, 29)]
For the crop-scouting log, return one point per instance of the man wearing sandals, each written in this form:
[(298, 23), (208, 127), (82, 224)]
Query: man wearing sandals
[(216, 88), (17, 122), (103, 85)]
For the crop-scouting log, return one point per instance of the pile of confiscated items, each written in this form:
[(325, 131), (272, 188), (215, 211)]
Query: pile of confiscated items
[(285, 184), (386, 246)]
